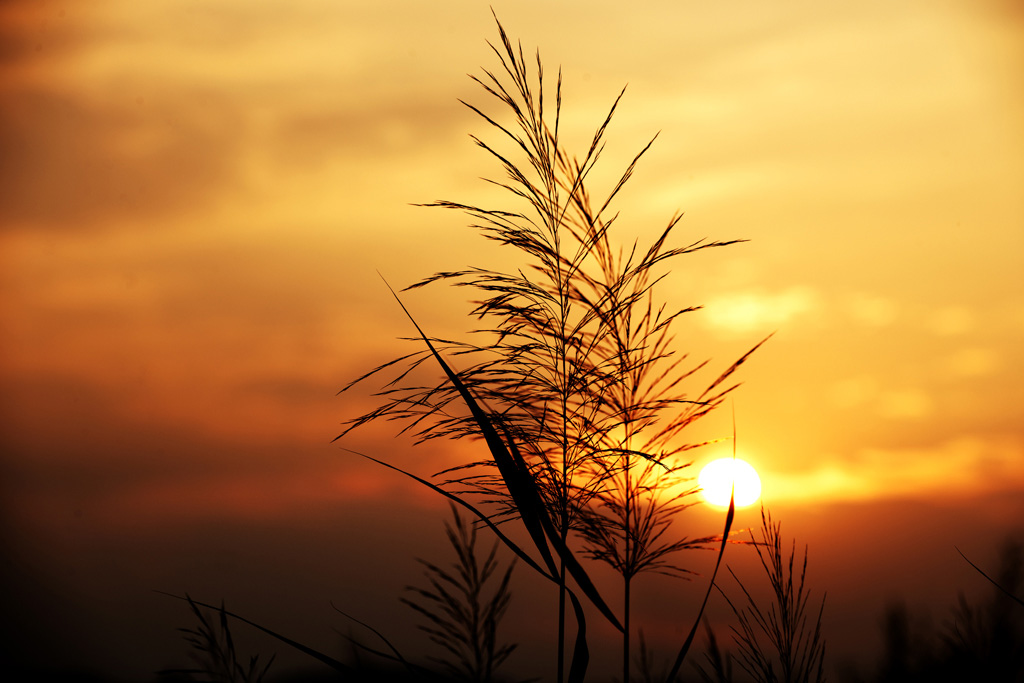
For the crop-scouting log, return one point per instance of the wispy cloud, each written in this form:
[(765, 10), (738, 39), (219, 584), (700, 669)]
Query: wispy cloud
[(958, 468), (972, 362), (71, 164), (905, 404), (951, 321), (756, 310), (873, 310)]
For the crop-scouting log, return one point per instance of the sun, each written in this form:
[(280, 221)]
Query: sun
[(716, 482)]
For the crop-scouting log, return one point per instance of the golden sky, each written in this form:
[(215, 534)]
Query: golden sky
[(196, 197)]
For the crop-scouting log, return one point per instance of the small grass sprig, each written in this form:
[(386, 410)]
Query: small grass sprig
[(780, 643), (463, 606), (213, 650)]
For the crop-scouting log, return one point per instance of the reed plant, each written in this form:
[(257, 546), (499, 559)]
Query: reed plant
[(781, 642), (647, 406), (576, 387), (577, 391)]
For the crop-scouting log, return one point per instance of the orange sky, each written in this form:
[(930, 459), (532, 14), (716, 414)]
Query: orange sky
[(196, 197)]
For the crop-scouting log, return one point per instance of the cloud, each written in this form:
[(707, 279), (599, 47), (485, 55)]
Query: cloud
[(958, 467), (70, 447), (873, 310), (952, 321), (972, 362), (751, 311), (30, 32), (905, 404), (71, 163), (853, 391), (371, 132)]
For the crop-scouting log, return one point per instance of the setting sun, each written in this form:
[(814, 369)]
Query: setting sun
[(716, 482)]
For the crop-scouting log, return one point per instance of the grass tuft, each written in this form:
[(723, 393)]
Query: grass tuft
[(213, 650), (464, 605), (781, 642)]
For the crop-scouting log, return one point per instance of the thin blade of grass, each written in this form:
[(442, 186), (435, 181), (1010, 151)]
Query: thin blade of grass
[(700, 613), (326, 659), (572, 565), (394, 656), (730, 515), (580, 652), (990, 579)]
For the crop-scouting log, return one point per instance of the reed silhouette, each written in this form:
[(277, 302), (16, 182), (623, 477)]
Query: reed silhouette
[(779, 642), (576, 387), (463, 606)]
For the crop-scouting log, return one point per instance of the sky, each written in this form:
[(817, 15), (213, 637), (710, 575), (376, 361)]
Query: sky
[(198, 197)]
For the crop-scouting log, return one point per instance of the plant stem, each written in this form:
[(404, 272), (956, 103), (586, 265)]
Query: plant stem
[(625, 635), (561, 623)]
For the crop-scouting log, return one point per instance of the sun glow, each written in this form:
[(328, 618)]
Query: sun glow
[(717, 477)]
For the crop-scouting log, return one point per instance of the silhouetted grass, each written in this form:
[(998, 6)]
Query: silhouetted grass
[(781, 641), (577, 379), (979, 641), (213, 652), (462, 609)]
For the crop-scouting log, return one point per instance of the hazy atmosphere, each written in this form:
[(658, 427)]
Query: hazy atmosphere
[(199, 200)]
